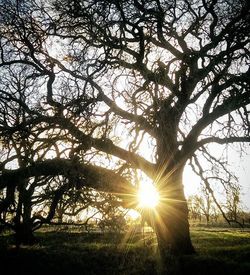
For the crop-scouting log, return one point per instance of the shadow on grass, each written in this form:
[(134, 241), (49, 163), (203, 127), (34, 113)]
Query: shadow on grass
[(75, 253), (72, 253)]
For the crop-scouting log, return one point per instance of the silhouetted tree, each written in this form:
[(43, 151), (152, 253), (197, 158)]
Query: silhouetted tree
[(233, 205), (114, 77), (193, 208), (202, 205)]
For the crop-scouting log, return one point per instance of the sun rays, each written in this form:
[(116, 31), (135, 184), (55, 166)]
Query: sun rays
[(154, 202), (148, 196)]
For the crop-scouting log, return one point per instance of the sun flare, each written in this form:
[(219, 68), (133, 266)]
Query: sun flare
[(148, 196)]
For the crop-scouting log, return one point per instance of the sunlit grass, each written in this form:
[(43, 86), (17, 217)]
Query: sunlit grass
[(76, 253), (96, 253), (148, 199)]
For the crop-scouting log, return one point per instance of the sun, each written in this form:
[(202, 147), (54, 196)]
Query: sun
[(148, 196)]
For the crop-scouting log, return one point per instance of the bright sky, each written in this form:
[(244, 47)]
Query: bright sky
[(242, 170)]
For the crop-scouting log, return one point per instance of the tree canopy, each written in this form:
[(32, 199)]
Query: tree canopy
[(95, 91)]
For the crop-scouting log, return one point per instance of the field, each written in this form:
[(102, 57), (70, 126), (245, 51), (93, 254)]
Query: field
[(64, 252)]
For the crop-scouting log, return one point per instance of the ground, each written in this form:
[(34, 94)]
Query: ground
[(223, 251)]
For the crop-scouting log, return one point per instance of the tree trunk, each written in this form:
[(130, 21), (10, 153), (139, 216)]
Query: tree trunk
[(23, 223), (171, 218), (207, 218), (24, 234)]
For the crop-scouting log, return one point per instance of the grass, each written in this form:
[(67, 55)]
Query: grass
[(220, 252), (225, 252)]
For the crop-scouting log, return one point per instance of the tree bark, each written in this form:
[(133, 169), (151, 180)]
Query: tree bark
[(24, 234), (23, 224), (171, 217)]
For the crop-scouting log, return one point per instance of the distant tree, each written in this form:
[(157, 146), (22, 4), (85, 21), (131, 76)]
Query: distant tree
[(133, 84), (233, 205), (202, 205), (193, 208)]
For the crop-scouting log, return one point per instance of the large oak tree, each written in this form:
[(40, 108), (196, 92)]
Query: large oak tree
[(130, 85)]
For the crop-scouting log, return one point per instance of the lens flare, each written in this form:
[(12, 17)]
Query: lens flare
[(148, 196)]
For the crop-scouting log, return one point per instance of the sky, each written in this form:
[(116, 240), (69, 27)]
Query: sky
[(242, 171), (244, 180)]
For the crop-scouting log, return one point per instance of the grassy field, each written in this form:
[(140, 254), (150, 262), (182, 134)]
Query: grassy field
[(219, 252)]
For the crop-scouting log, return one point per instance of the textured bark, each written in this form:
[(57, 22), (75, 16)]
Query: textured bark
[(171, 218)]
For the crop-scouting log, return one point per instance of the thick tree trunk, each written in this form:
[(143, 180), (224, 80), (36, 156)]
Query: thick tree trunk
[(171, 218), (23, 223), (24, 234)]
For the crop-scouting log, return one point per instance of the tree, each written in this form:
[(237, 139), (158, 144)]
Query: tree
[(202, 204), (111, 76), (193, 208), (233, 205)]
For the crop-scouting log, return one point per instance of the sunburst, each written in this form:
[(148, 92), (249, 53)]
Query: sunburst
[(148, 196)]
